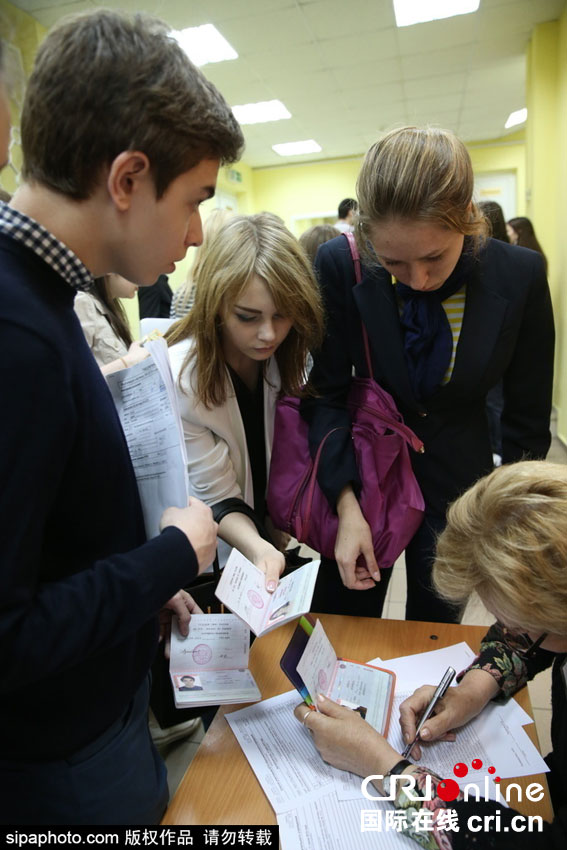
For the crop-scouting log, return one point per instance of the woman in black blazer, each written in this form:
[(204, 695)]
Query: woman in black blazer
[(466, 311)]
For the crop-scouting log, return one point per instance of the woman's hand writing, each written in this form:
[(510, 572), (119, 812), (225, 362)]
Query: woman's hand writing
[(459, 705), (345, 740)]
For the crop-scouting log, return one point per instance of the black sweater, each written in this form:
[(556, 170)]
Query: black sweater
[(80, 587)]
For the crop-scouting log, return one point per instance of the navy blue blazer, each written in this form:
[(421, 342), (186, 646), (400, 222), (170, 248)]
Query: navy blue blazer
[(507, 333)]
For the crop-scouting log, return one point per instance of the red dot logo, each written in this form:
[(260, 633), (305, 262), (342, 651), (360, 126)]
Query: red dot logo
[(476, 764), (492, 770), (460, 770), (448, 790)]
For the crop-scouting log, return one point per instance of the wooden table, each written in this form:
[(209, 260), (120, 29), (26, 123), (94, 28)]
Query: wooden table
[(219, 786)]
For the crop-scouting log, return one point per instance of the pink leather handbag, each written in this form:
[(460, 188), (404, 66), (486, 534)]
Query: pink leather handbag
[(390, 499)]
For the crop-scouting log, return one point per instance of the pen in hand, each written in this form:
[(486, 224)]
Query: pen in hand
[(440, 692)]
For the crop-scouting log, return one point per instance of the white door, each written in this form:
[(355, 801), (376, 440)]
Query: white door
[(499, 186)]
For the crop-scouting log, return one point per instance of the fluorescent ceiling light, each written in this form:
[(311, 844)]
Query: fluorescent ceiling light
[(204, 44), (295, 148), (410, 12), (517, 117), (258, 113)]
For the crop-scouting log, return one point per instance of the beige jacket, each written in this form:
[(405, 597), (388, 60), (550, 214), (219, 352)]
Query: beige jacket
[(101, 339)]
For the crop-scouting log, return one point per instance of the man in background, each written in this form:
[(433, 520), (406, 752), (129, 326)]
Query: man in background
[(347, 211)]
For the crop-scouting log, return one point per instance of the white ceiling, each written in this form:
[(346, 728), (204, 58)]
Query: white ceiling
[(346, 72)]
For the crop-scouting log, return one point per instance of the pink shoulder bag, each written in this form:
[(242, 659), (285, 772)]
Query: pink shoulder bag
[(390, 499)]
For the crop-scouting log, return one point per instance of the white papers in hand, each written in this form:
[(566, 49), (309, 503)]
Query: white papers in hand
[(144, 396)]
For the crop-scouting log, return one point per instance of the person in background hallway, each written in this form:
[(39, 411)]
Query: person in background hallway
[(449, 313), (257, 313), (315, 236), (122, 137), (521, 232), (105, 325), (506, 540), (494, 215), (154, 302), (346, 212)]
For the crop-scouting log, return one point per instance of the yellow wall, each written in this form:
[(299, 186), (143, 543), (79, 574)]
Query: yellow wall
[(548, 208), (546, 175), (294, 190), (23, 34), (298, 190)]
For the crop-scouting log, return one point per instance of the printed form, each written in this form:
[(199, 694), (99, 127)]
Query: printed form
[(144, 396)]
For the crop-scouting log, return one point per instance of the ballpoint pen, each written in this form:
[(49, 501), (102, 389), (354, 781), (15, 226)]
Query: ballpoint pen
[(440, 692)]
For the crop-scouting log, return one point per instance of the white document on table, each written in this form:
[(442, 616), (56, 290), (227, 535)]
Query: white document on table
[(328, 823), (320, 808), (242, 589), (281, 752), (146, 402), (427, 668), (496, 736)]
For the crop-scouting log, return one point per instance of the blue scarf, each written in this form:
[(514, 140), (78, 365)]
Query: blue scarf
[(428, 340)]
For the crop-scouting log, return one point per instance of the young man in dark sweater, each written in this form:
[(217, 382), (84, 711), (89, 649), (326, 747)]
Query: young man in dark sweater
[(122, 139)]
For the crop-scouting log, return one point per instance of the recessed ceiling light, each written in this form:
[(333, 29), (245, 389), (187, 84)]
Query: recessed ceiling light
[(517, 117), (259, 113), (410, 12), (295, 148), (204, 44)]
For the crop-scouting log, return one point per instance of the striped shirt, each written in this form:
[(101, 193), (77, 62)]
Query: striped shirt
[(454, 307)]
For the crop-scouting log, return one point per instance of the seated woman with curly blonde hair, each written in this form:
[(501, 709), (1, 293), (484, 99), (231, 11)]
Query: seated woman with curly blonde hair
[(506, 540)]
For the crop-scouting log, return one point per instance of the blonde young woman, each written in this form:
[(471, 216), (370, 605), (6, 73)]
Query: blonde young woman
[(257, 313), (449, 312), (506, 541)]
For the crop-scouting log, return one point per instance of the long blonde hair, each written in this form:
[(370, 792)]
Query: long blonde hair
[(244, 246), (420, 174), (506, 539)]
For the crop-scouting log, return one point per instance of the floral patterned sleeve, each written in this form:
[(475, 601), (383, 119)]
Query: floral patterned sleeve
[(498, 656), (434, 823)]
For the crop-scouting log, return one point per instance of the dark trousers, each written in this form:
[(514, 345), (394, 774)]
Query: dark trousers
[(332, 597), (117, 779)]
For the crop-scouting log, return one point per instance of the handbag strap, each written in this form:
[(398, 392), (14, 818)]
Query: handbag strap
[(358, 277)]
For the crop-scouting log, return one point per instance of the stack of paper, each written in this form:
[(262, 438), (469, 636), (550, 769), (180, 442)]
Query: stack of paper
[(146, 402), (321, 808)]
